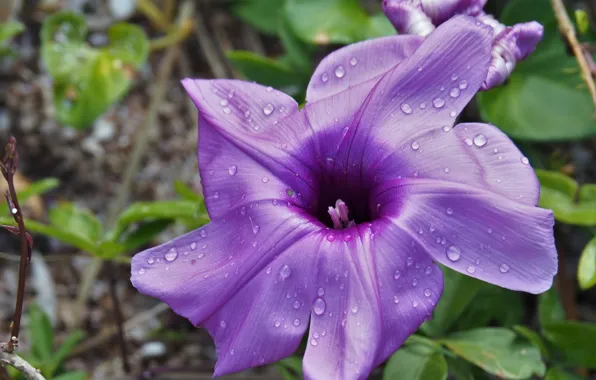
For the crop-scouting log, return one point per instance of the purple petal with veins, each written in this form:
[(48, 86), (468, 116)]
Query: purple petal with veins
[(510, 44), (328, 220)]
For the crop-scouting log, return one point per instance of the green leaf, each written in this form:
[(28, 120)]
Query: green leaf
[(261, 14), (268, 72), (550, 308), (299, 53), (185, 192), (559, 374), (65, 236), (88, 80), (34, 189), (497, 352), (416, 362), (42, 334), (157, 210), (558, 193), (544, 98), (575, 340), (79, 221), (487, 307), (333, 21), (582, 21), (7, 31), (65, 349), (586, 269), (75, 375), (294, 363), (143, 234), (458, 292), (533, 337)]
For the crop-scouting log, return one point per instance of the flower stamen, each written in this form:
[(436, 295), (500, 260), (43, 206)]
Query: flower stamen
[(340, 215)]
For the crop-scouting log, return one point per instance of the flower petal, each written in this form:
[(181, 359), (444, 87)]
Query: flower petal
[(198, 272), (345, 322), (476, 154), (510, 46), (407, 18), (427, 90), (266, 320), (475, 232), (410, 286), (251, 145), (358, 63)]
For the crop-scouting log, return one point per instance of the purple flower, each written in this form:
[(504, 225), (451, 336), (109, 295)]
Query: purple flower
[(510, 44), (331, 218)]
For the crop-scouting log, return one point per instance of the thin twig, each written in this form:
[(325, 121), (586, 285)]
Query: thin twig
[(118, 317), (21, 364), (567, 29), (216, 64), (9, 168)]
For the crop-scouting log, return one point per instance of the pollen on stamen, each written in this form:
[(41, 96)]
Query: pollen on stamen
[(340, 215)]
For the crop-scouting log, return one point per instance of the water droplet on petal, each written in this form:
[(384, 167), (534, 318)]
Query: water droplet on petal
[(330, 237), (409, 261), (171, 255), (395, 299), (453, 253), (255, 229), (415, 145), (480, 140), (406, 108), (525, 160), (415, 282), (141, 271), (463, 84), (454, 93), (471, 269), (340, 71), (415, 303), (354, 309), (314, 342), (454, 77), (216, 195), (353, 61), (226, 110), (247, 114), (504, 268), (449, 211), (268, 109), (446, 170), (296, 322), (427, 292), (265, 179), (396, 275), (438, 102), (282, 109), (319, 306), (223, 102), (296, 304), (150, 260), (427, 270), (324, 77), (223, 324), (285, 271), (232, 170), (422, 106), (446, 128), (277, 324)]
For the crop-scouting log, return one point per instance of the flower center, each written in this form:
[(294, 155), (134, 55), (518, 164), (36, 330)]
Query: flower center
[(340, 215)]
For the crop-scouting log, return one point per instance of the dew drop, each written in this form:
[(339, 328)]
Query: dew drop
[(277, 324), (415, 282), (296, 304), (427, 270), (480, 140), (282, 109), (427, 292), (330, 237), (415, 145), (422, 106), (525, 160), (468, 142), (321, 292), (268, 109), (269, 89), (471, 269), (490, 230), (396, 275), (319, 306), (340, 71), (285, 271), (504, 268), (463, 84), (247, 114), (171, 255), (193, 245), (454, 77), (453, 253), (446, 128), (354, 309), (223, 324), (223, 102), (314, 342), (406, 108), (446, 170), (268, 271), (150, 260), (409, 261), (454, 93), (296, 322), (449, 211), (226, 110), (232, 170), (353, 61), (216, 195), (255, 229), (265, 179), (141, 271), (324, 77), (201, 255), (438, 102)]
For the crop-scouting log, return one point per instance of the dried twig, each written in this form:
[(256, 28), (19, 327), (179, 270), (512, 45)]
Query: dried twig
[(21, 364), (567, 29), (118, 317), (9, 165)]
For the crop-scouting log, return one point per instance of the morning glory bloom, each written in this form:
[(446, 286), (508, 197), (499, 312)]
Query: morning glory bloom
[(510, 44), (331, 219)]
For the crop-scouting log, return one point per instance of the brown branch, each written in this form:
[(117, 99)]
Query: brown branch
[(567, 29), (118, 317), (9, 166), (21, 364)]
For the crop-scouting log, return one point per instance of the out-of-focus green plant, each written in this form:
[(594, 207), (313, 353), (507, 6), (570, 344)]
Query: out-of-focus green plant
[(45, 354), (7, 31), (545, 97), (88, 80), (137, 225)]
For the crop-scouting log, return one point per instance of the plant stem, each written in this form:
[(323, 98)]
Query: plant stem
[(21, 364), (567, 29), (118, 317), (175, 36), (147, 8)]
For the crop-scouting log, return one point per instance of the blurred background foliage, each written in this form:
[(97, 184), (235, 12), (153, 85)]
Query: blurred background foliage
[(93, 64)]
